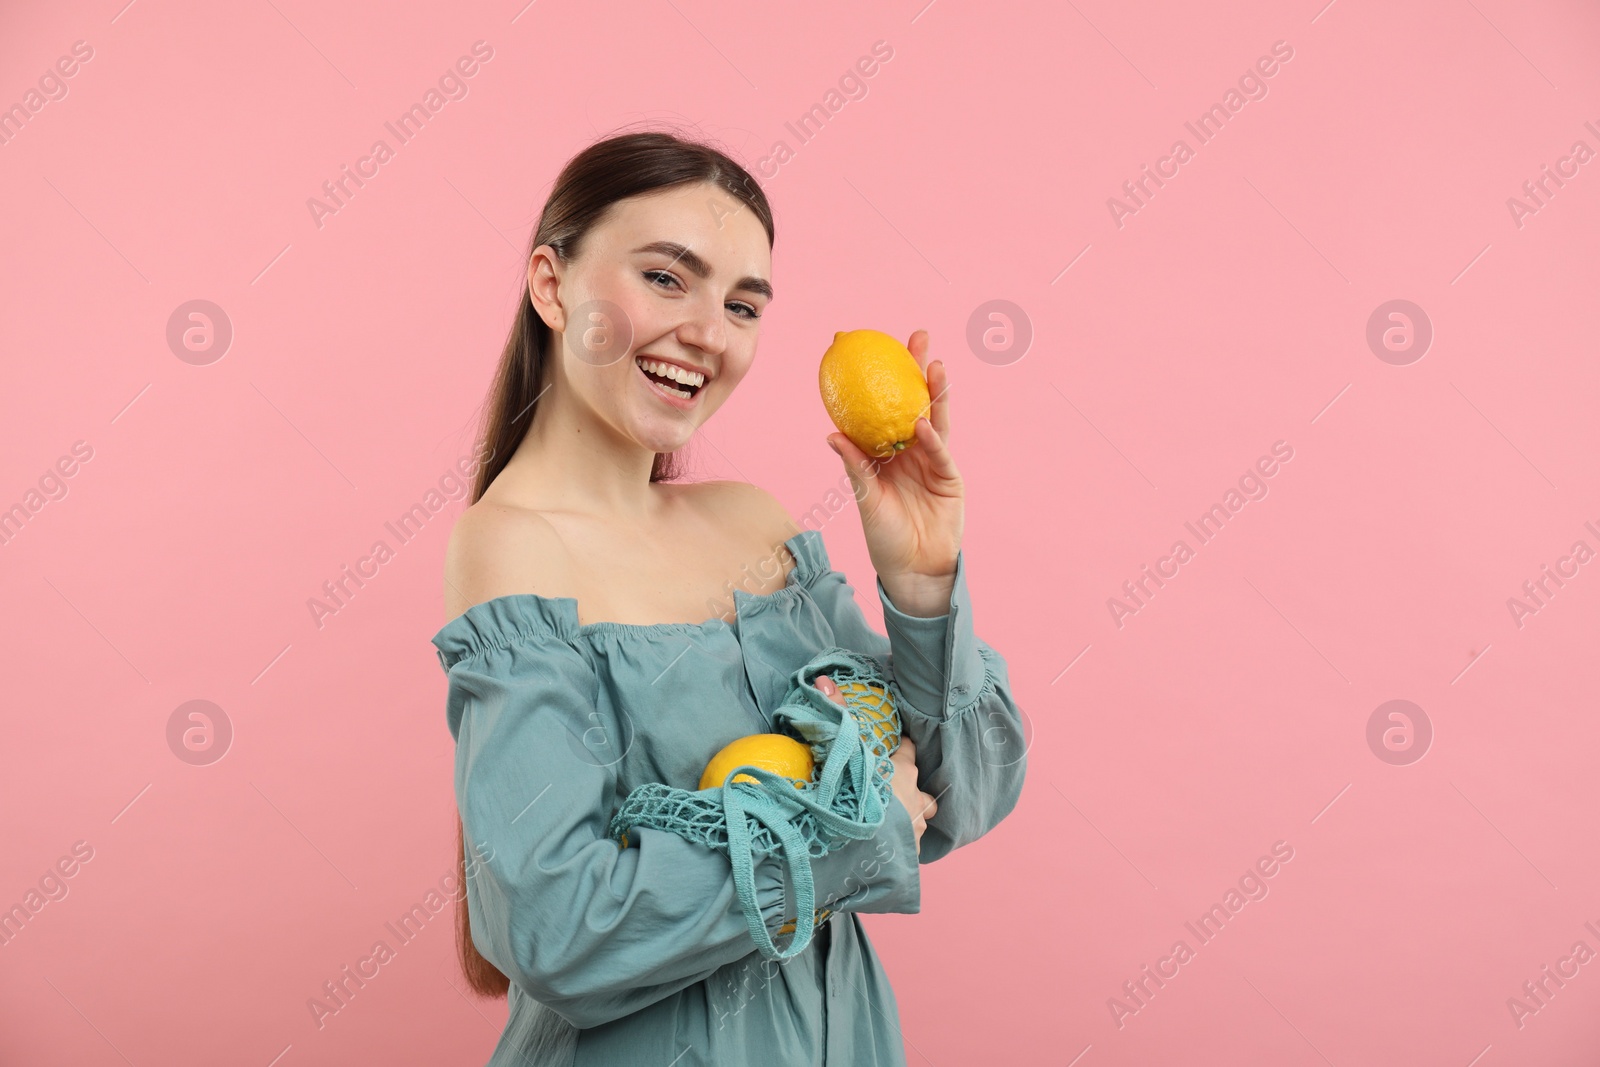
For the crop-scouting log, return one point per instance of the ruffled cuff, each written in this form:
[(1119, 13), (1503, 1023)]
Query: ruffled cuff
[(873, 875), (936, 661)]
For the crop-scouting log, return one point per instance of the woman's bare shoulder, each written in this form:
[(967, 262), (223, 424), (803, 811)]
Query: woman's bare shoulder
[(496, 550), (755, 509)]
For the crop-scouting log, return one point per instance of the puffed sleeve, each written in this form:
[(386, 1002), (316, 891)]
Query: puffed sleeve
[(971, 751), (592, 930)]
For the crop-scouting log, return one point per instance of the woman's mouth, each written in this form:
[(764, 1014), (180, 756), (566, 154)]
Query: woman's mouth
[(674, 383)]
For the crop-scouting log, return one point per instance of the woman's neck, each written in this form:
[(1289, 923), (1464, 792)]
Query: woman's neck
[(570, 461)]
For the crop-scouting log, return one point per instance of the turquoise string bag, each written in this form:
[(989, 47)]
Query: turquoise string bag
[(846, 799)]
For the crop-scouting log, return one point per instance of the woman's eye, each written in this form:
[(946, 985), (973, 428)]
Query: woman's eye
[(748, 310)]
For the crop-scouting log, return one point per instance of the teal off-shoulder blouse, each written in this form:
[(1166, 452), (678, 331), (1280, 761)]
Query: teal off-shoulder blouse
[(644, 955)]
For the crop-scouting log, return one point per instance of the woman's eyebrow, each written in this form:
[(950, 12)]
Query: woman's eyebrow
[(681, 253)]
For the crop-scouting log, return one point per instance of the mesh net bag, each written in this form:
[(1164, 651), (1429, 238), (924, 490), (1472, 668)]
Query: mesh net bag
[(845, 800)]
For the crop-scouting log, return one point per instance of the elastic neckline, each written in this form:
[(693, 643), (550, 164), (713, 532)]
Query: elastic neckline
[(503, 620)]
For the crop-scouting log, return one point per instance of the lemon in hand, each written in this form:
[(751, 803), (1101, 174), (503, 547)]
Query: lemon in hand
[(873, 390), (778, 753)]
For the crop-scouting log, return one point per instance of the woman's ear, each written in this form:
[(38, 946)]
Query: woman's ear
[(544, 287)]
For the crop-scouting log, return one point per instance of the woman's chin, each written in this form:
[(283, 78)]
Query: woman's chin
[(660, 437), (664, 431)]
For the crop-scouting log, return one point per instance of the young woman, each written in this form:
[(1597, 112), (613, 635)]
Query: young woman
[(582, 662)]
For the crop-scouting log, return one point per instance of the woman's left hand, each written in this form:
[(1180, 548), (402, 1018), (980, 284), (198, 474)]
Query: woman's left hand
[(911, 504)]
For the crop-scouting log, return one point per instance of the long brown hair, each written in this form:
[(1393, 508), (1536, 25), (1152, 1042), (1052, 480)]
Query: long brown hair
[(602, 174)]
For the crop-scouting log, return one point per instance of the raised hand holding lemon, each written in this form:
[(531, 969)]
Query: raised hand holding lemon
[(910, 498)]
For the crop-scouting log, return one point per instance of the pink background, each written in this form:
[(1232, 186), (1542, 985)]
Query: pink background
[(1228, 313)]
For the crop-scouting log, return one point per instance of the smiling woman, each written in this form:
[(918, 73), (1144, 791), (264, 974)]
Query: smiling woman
[(582, 667)]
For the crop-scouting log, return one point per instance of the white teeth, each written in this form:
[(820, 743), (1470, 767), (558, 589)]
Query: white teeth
[(677, 374), (674, 372)]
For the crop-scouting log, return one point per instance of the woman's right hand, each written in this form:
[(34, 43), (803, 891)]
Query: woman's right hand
[(920, 805)]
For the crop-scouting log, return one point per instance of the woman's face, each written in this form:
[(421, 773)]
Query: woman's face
[(678, 276)]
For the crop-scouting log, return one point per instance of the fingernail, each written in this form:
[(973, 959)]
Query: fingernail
[(834, 447)]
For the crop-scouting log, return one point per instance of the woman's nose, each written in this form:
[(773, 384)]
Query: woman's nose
[(706, 331)]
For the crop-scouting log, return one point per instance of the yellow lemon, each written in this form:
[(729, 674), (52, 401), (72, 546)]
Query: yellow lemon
[(873, 390), (877, 708), (818, 917), (778, 753)]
